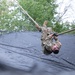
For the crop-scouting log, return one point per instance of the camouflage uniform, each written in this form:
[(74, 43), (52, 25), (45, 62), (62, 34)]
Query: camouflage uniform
[(47, 41)]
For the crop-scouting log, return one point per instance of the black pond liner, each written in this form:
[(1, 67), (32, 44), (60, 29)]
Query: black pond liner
[(21, 54)]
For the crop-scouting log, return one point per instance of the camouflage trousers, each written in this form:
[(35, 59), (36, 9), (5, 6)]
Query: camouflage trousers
[(46, 49)]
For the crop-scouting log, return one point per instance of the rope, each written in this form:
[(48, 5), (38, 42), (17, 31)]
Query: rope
[(66, 31), (25, 12)]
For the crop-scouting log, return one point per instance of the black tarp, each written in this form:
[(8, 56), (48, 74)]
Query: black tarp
[(21, 54)]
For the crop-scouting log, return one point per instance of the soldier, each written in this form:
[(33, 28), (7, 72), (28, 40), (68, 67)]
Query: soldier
[(50, 42)]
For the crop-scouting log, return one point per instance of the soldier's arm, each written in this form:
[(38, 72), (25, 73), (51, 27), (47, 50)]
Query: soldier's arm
[(49, 36)]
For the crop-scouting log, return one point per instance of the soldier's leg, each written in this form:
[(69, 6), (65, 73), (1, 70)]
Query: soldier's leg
[(58, 43), (45, 50)]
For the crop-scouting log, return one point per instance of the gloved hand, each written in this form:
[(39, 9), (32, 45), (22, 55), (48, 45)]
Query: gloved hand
[(55, 34)]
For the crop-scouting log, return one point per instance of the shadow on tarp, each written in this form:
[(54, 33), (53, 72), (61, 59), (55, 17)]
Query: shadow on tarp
[(21, 54)]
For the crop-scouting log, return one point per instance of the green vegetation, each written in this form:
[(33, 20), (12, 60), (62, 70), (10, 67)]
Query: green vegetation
[(12, 17)]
